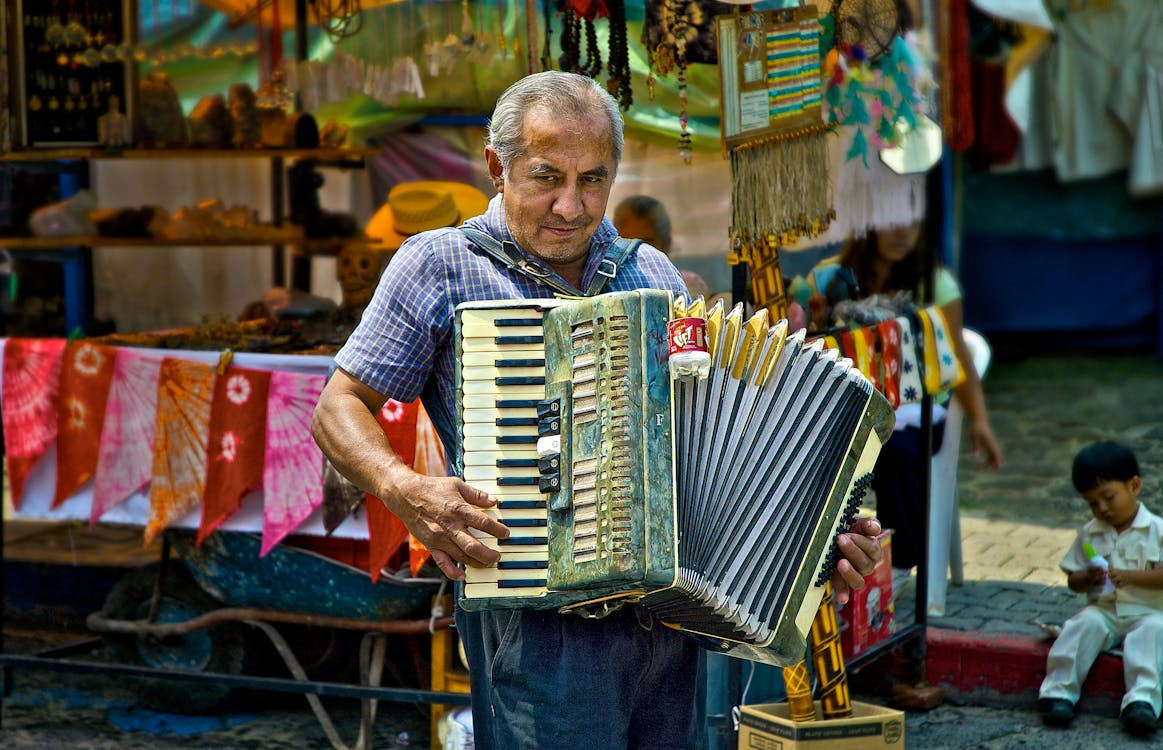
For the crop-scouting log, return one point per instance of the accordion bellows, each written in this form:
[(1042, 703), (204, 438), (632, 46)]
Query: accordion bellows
[(712, 502)]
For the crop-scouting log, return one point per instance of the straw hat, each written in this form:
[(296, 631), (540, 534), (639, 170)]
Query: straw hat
[(415, 207)]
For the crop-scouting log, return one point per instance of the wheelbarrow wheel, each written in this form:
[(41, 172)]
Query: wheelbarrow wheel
[(218, 649)]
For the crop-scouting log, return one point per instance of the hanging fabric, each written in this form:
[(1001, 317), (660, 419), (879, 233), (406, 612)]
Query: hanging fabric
[(185, 390), (234, 466), (386, 532), (125, 459), (30, 394), (956, 84), (86, 378), (890, 357), (911, 387), (430, 461), (293, 463)]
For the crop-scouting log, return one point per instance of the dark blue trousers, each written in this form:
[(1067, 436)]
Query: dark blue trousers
[(900, 493), (542, 680)]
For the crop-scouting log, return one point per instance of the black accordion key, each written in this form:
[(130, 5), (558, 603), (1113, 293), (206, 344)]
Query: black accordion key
[(521, 505), (520, 380), (517, 322), (516, 421), (518, 403), (517, 481), (502, 340), (526, 523), (521, 583), (517, 463), (519, 362), (523, 565), (523, 541)]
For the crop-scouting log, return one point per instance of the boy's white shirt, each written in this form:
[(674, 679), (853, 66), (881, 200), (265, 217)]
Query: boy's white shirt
[(1140, 547)]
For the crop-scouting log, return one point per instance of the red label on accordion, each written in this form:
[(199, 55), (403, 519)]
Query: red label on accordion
[(687, 335)]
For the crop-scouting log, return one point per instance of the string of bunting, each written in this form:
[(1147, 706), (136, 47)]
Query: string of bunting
[(190, 434), (905, 357)]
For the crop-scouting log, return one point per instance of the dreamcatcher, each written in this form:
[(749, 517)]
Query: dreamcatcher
[(872, 25), (874, 74)]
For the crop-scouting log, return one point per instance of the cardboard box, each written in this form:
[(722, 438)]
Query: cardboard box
[(766, 726), (867, 618)]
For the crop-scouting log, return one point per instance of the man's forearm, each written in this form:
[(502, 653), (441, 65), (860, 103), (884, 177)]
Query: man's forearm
[(352, 439)]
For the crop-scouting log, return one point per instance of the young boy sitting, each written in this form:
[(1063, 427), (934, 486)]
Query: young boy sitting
[(1129, 538)]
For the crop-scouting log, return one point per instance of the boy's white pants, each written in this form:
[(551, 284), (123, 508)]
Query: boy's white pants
[(1094, 630)]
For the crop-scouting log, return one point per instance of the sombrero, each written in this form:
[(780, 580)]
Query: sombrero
[(415, 207)]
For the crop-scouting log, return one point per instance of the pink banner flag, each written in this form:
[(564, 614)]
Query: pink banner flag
[(184, 390), (86, 376), (293, 465), (32, 369), (238, 429), (125, 459)]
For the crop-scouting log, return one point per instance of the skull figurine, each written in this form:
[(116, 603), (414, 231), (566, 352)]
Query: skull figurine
[(358, 271)]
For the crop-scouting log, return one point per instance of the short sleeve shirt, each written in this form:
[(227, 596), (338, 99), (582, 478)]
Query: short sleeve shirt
[(1140, 547), (403, 346)]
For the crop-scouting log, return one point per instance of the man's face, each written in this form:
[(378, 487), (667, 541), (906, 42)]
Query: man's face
[(555, 195)]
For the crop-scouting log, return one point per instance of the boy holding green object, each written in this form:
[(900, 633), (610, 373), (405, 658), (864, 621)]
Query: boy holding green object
[(1122, 545)]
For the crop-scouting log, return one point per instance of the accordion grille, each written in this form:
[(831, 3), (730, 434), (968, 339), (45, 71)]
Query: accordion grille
[(602, 484)]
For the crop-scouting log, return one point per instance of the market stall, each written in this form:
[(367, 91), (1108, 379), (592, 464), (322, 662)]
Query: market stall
[(405, 88)]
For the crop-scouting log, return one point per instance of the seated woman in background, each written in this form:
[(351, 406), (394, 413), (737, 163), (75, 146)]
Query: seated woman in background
[(886, 261)]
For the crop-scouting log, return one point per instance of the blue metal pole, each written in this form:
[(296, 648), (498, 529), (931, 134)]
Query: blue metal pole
[(73, 260)]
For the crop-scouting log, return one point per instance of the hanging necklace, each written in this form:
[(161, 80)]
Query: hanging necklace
[(619, 84), (570, 59), (546, 11)]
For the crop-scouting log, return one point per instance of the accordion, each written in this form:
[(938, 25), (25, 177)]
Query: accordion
[(714, 502)]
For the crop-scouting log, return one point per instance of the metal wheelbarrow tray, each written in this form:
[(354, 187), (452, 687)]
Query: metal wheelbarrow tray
[(186, 619)]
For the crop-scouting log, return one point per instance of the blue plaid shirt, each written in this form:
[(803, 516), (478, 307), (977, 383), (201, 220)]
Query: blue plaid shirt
[(403, 345)]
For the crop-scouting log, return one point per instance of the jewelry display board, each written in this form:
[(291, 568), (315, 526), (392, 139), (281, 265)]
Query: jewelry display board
[(769, 65), (74, 62)]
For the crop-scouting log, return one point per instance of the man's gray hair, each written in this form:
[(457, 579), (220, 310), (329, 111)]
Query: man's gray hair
[(565, 95)]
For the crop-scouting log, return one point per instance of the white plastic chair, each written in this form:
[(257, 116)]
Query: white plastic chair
[(944, 514)]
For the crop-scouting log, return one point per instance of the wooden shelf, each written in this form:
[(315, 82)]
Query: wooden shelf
[(76, 154), (61, 243)]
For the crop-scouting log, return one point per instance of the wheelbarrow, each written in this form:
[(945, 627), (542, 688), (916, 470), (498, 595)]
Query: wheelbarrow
[(189, 614)]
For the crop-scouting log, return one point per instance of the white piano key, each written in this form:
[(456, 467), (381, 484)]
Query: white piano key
[(496, 402), (491, 415), (492, 590), (473, 474), (505, 392), (492, 315), (490, 458), (485, 429), (487, 372)]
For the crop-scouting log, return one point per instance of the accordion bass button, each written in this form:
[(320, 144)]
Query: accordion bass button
[(549, 445), (550, 407)]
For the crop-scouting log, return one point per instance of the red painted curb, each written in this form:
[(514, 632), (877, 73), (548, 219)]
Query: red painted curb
[(1006, 665)]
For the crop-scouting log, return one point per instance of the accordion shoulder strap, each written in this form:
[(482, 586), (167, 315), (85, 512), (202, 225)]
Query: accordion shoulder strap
[(508, 254)]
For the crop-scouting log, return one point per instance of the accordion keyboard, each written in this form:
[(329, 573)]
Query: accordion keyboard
[(502, 380)]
